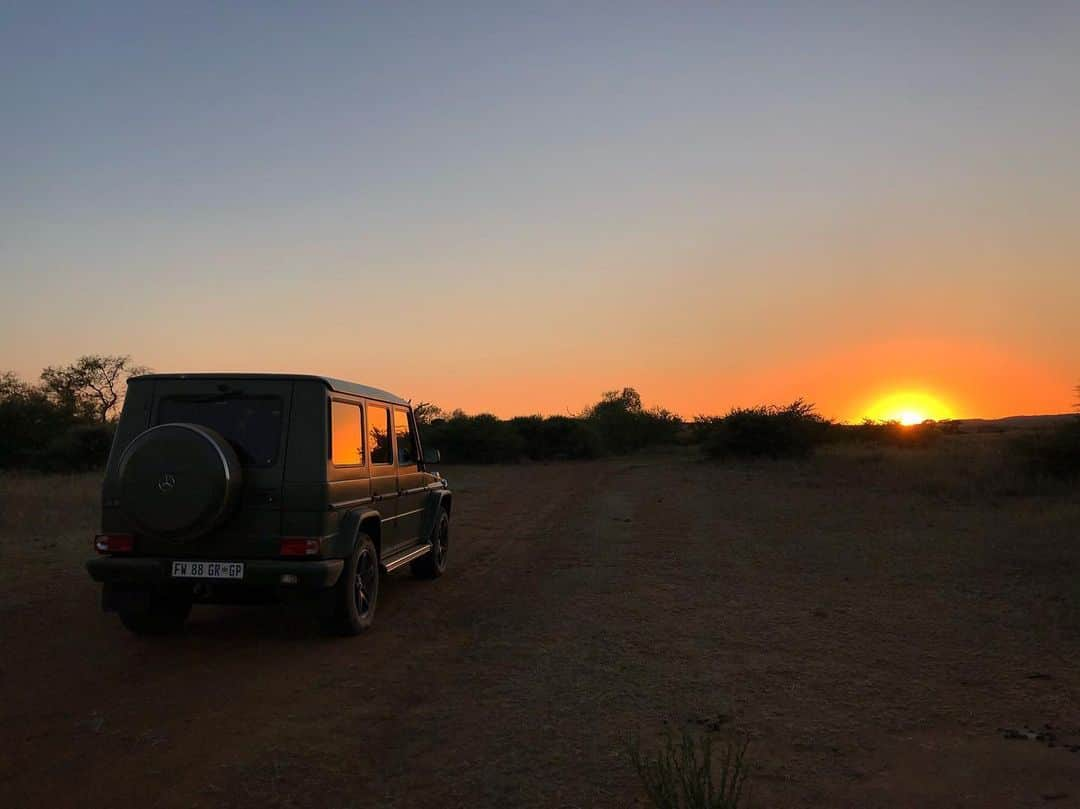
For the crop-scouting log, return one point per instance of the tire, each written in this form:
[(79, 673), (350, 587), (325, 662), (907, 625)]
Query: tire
[(161, 615), (355, 596), (432, 565)]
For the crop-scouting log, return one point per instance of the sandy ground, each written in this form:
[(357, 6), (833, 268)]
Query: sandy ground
[(880, 642)]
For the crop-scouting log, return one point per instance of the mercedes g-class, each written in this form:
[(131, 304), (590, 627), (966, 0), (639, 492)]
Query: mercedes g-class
[(248, 488)]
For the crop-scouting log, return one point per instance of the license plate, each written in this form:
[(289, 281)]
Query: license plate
[(208, 570)]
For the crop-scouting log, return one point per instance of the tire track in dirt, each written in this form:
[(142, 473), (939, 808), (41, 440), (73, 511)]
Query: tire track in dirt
[(186, 714), (867, 641)]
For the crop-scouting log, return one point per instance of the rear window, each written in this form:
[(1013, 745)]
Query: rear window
[(252, 424), (346, 442)]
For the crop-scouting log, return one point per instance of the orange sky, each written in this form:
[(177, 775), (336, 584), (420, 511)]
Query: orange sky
[(697, 342), (968, 380)]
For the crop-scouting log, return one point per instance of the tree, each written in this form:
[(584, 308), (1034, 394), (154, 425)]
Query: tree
[(28, 420), (11, 387), (426, 412), (624, 425), (627, 400), (92, 387)]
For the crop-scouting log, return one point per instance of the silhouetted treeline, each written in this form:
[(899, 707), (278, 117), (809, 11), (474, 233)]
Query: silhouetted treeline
[(64, 422), (797, 431), (617, 424)]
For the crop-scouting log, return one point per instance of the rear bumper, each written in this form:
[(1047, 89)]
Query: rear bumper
[(311, 575)]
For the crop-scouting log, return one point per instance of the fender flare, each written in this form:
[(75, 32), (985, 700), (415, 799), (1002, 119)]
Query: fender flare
[(350, 528), (434, 503)]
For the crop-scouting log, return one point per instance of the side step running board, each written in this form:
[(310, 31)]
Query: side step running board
[(394, 562)]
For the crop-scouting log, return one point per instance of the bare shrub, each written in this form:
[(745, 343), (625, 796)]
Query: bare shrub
[(686, 774)]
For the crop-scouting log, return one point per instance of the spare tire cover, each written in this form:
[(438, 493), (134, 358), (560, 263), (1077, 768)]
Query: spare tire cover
[(178, 481)]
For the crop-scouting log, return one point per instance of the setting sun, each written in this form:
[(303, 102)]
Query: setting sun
[(908, 407)]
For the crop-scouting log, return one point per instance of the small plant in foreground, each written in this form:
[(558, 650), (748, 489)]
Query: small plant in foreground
[(682, 774)]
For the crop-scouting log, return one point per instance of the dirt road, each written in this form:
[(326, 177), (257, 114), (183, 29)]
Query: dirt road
[(876, 645)]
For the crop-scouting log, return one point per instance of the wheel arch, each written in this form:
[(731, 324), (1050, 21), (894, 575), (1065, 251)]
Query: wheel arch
[(437, 501), (369, 522)]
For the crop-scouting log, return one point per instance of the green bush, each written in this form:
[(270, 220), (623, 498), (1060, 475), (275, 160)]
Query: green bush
[(77, 449), (474, 439), (768, 431), (617, 424), (557, 438), (29, 421)]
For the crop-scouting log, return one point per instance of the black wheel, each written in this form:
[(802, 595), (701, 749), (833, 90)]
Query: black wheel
[(432, 565), (161, 615), (357, 591)]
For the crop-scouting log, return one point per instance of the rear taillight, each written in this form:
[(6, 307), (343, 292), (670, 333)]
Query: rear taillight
[(114, 543), (300, 546)]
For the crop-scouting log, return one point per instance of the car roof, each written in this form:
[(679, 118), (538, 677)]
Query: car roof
[(339, 385)]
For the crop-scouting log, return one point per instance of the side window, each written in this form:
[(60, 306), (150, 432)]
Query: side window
[(379, 440), (406, 446), (346, 435)]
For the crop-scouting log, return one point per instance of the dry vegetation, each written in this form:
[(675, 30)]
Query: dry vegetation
[(47, 523), (887, 626)]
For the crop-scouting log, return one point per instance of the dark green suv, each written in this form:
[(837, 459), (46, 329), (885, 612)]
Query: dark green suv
[(247, 488)]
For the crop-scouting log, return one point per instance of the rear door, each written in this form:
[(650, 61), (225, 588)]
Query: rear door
[(253, 416), (412, 489)]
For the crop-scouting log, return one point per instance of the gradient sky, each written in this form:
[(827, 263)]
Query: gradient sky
[(512, 210)]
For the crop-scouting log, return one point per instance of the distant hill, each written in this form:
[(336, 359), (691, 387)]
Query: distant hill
[(1010, 423)]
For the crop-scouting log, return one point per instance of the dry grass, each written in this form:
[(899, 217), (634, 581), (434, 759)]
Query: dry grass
[(870, 618), (965, 468), (47, 525), (47, 522)]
